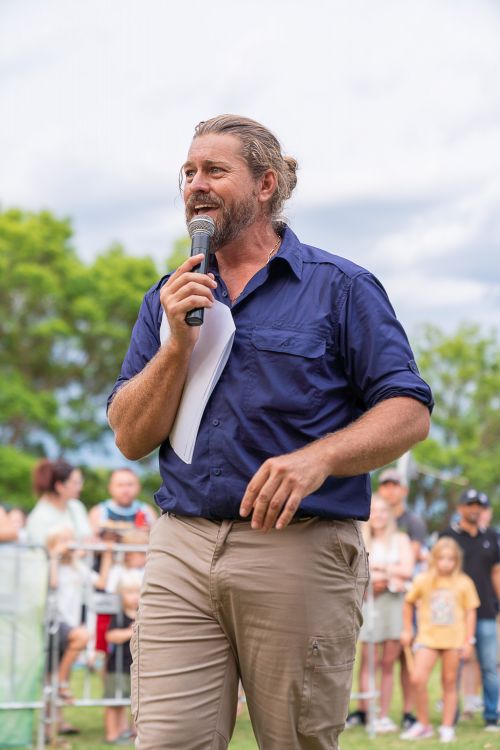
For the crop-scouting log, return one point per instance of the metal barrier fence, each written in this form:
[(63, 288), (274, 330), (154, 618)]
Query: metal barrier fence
[(24, 588), (371, 695), (23, 632)]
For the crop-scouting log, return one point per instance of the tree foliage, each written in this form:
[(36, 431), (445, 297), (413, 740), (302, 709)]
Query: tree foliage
[(180, 252), (464, 372), (64, 329)]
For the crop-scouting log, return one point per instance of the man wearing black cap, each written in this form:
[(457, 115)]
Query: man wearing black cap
[(482, 564)]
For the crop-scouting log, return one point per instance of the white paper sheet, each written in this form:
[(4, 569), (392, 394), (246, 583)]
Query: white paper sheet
[(207, 362)]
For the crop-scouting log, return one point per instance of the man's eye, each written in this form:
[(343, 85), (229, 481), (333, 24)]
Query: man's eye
[(189, 174), (215, 170)]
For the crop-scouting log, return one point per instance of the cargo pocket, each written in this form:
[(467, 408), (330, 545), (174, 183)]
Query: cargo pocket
[(134, 673), (327, 685)]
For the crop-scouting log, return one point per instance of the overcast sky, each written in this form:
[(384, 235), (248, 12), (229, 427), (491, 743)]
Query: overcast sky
[(392, 108)]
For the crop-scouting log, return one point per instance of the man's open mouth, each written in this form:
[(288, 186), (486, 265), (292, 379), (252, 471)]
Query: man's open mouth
[(202, 208)]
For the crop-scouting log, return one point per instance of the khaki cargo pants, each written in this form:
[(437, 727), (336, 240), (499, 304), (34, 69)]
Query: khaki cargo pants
[(281, 610)]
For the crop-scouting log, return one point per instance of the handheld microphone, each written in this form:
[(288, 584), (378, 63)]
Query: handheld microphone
[(201, 230)]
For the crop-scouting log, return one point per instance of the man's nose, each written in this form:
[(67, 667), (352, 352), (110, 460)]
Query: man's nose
[(199, 183)]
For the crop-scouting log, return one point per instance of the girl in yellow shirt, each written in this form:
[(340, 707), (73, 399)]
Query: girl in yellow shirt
[(446, 601)]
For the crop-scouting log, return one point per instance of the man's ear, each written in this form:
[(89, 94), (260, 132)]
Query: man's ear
[(268, 184)]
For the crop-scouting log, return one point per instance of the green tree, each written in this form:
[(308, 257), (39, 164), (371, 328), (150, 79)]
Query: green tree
[(463, 370), (180, 252), (15, 477), (64, 329)]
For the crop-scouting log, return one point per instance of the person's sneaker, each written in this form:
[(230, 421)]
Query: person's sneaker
[(355, 719), (447, 734), (473, 704), (417, 732), (408, 720), (384, 725), (492, 726)]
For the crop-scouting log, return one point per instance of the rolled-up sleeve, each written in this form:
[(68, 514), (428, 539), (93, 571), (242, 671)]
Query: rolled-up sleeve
[(144, 342), (377, 356)]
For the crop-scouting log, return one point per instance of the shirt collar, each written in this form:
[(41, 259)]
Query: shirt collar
[(290, 251), (458, 528)]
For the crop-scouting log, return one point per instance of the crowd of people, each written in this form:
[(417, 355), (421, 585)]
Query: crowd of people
[(428, 604), (61, 524)]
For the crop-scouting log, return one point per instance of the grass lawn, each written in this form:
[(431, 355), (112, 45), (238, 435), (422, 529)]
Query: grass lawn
[(470, 735)]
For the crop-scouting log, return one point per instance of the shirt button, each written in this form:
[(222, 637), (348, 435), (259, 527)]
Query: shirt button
[(224, 293), (215, 422), (217, 472)]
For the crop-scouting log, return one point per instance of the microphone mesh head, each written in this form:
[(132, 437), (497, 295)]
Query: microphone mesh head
[(201, 224)]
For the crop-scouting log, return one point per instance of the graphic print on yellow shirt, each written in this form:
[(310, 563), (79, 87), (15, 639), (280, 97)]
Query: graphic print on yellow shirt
[(442, 604), (443, 607)]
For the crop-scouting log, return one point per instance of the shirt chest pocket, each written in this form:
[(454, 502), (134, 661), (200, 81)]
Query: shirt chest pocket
[(283, 371)]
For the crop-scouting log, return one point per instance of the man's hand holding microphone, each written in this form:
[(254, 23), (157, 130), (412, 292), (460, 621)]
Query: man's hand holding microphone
[(189, 289)]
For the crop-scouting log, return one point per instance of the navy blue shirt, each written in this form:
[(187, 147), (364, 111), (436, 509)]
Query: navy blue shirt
[(317, 343)]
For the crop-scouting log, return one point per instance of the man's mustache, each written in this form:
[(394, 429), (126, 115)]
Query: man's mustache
[(205, 199)]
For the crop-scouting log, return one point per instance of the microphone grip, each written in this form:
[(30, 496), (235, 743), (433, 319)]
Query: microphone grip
[(200, 244)]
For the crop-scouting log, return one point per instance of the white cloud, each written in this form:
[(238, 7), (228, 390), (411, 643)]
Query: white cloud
[(442, 230), (393, 100), (439, 294)]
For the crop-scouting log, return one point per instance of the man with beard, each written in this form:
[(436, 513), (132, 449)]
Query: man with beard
[(482, 564), (319, 389)]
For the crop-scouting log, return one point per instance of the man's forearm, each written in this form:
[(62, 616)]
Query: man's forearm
[(142, 412), (381, 435), (378, 437)]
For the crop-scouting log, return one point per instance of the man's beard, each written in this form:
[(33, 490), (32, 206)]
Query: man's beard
[(230, 220), (473, 519)]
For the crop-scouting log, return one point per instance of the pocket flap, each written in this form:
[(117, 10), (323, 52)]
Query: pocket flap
[(289, 342)]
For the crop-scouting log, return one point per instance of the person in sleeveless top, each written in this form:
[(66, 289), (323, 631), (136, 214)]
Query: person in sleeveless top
[(391, 569), (122, 511)]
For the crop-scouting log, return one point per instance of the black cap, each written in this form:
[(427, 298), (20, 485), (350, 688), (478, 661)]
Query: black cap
[(471, 496)]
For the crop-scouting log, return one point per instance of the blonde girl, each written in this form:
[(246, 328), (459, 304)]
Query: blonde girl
[(446, 601), (118, 635)]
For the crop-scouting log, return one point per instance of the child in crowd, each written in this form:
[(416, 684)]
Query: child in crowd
[(446, 601), (132, 560), (12, 523), (18, 519), (68, 578), (119, 659)]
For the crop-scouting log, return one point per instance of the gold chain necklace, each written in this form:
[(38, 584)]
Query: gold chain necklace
[(272, 252), (274, 249)]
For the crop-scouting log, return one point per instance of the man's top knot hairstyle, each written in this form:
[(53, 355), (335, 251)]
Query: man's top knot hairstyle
[(261, 151)]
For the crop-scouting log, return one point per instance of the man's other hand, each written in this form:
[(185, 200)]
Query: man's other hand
[(279, 486)]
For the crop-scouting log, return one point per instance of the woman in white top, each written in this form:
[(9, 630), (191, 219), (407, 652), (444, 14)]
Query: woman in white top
[(391, 569), (57, 485)]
